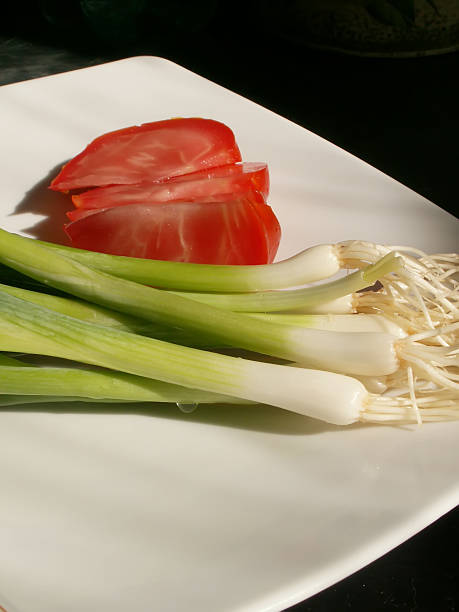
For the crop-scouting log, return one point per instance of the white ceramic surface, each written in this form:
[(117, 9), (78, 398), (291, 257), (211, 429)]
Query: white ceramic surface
[(235, 510)]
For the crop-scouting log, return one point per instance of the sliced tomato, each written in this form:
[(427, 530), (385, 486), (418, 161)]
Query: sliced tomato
[(150, 152), (205, 186), (237, 168), (237, 231), (81, 213)]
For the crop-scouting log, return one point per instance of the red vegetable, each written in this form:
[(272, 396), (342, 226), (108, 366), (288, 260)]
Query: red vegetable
[(150, 152), (81, 213), (171, 190), (204, 186), (240, 230)]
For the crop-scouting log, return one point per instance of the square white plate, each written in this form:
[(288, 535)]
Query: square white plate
[(225, 509)]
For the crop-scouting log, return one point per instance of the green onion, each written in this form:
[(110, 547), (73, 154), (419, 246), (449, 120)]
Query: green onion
[(328, 396), (99, 385), (311, 265), (13, 278), (365, 353), (306, 298), (336, 322), (77, 308), (92, 313), (30, 328), (413, 354)]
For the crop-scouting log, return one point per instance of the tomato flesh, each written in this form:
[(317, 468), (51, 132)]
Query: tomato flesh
[(81, 213), (240, 230), (205, 186), (171, 190), (150, 152)]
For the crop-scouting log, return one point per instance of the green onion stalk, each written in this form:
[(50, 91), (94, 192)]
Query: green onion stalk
[(22, 383), (335, 398), (359, 353), (419, 349), (92, 313), (313, 264)]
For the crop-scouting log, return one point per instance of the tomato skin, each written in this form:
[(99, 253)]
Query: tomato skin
[(258, 172), (269, 222), (150, 152), (237, 231), (205, 185), (81, 213)]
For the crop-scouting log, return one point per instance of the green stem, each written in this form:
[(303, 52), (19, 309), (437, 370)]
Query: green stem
[(30, 328), (92, 313), (26, 327), (313, 264), (300, 299), (98, 385), (316, 348)]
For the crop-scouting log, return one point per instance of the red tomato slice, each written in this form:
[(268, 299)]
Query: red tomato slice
[(150, 152), (224, 171), (81, 213), (205, 186), (237, 231)]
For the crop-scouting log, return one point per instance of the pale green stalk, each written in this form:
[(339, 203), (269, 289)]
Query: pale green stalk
[(334, 398), (335, 322), (305, 299), (98, 385), (20, 400), (367, 354), (22, 383), (92, 313), (30, 328), (342, 305), (79, 309), (331, 397), (316, 263)]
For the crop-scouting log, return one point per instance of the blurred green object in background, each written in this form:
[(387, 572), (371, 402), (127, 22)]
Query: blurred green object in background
[(380, 28)]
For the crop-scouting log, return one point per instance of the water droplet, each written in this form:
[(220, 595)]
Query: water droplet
[(187, 408)]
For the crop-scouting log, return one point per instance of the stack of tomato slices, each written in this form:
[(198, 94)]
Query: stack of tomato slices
[(174, 190)]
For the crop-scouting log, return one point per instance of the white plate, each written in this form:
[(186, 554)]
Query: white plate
[(249, 509)]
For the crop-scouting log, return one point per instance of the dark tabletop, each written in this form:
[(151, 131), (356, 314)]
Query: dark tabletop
[(399, 114)]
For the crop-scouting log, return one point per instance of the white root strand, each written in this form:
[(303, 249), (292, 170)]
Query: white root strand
[(422, 296)]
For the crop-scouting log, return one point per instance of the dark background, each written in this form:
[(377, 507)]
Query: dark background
[(400, 114)]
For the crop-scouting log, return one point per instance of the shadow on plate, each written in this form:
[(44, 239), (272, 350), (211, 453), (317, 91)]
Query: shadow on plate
[(256, 417), (52, 205)]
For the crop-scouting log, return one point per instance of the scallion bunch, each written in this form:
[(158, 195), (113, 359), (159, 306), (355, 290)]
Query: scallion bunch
[(378, 344)]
